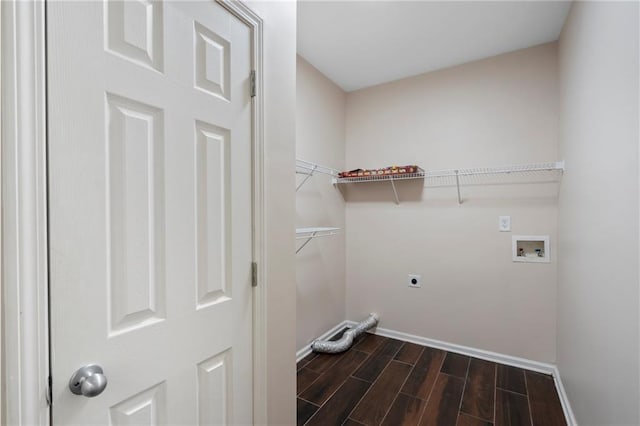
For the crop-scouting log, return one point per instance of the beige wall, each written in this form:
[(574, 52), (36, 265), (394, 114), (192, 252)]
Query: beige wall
[(279, 139), (320, 265), (598, 267), (498, 111)]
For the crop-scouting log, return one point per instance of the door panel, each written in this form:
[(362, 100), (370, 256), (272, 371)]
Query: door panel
[(150, 211), (135, 205)]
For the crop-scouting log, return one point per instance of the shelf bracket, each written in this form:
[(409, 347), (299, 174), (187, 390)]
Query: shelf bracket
[(308, 175), (309, 238), (395, 193), (458, 186)]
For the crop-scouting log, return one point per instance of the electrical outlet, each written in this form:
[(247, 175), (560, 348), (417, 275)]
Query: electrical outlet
[(415, 281), (504, 224)]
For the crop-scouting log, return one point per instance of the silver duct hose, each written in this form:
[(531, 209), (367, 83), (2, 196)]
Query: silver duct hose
[(345, 342)]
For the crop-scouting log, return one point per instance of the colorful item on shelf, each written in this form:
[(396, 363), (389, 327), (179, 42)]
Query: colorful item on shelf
[(393, 170)]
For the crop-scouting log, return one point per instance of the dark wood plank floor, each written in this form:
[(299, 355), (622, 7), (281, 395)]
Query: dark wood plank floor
[(383, 381)]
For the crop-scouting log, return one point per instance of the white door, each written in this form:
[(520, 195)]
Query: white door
[(150, 211)]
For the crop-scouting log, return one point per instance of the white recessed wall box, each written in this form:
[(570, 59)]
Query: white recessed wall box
[(531, 248)]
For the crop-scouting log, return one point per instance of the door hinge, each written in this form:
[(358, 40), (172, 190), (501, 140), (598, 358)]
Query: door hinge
[(49, 391), (254, 274), (252, 83)]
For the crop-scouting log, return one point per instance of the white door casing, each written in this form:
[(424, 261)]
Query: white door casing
[(24, 212), (150, 211)]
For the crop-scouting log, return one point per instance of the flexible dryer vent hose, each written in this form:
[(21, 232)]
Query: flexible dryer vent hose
[(345, 342)]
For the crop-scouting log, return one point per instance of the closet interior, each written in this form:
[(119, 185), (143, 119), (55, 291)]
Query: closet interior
[(474, 257)]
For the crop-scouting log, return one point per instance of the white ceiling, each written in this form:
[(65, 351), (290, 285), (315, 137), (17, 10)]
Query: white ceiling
[(359, 44)]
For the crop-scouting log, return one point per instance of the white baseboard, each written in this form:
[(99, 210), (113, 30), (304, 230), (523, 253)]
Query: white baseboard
[(306, 350), (527, 364), (564, 399)]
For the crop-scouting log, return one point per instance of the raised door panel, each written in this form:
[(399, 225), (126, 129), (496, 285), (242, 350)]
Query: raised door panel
[(135, 198), (213, 211), (134, 30), (146, 408), (212, 62), (215, 390)]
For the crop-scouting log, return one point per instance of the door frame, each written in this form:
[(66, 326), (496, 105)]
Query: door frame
[(24, 297)]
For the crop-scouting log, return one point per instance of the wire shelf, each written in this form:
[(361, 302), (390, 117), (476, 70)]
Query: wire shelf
[(521, 169), (523, 173), (304, 167), (520, 173), (381, 178), (308, 169), (302, 233), (308, 234)]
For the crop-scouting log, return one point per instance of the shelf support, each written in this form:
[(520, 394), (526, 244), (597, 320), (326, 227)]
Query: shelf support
[(309, 238), (308, 175), (458, 186), (395, 193)]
